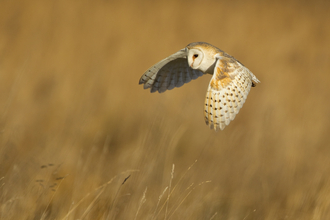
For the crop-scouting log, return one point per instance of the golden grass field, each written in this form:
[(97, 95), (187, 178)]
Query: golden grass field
[(74, 123)]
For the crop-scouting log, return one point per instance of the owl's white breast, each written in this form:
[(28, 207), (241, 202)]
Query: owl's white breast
[(207, 65)]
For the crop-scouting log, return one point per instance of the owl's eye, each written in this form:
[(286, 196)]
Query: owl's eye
[(195, 55)]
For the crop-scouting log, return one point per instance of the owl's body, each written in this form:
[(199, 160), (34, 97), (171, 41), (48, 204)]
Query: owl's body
[(228, 88)]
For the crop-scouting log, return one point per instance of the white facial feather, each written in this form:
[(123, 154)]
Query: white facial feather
[(195, 58)]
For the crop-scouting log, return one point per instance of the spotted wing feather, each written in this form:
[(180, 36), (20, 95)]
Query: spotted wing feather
[(169, 73), (227, 92)]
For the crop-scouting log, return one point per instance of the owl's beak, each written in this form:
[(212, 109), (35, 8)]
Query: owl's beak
[(192, 63)]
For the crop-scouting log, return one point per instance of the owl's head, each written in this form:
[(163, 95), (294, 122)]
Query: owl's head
[(195, 57)]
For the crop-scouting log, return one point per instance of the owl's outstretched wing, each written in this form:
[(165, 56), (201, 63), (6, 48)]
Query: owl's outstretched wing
[(227, 92), (169, 73)]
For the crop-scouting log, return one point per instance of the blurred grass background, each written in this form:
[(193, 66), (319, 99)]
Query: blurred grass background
[(74, 123)]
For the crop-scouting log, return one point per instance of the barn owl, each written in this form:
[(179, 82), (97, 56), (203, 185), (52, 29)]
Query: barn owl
[(228, 88)]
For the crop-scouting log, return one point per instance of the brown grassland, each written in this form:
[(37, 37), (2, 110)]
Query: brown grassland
[(75, 124)]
